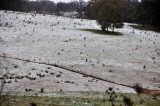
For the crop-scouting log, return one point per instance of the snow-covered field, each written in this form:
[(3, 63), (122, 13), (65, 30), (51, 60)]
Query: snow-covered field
[(128, 59)]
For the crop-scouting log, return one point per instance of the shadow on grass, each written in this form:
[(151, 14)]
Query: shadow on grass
[(103, 32), (147, 28)]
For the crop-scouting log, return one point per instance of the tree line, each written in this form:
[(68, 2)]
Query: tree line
[(112, 13), (145, 12), (40, 6)]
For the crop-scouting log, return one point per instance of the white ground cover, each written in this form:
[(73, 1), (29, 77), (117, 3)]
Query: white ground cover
[(128, 59)]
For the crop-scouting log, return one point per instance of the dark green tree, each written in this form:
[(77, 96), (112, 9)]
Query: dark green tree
[(130, 10), (108, 13), (14, 5), (148, 12)]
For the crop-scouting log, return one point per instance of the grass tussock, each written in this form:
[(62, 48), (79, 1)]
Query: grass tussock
[(97, 31)]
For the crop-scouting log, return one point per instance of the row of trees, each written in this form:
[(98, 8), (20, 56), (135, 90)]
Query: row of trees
[(148, 12), (41, 6), (112, 13), (15, 5), (145, 12)]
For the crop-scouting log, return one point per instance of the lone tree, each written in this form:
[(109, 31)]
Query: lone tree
[(108, 13)]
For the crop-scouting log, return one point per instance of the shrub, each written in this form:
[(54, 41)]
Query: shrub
[(127, 101), (138, 88)]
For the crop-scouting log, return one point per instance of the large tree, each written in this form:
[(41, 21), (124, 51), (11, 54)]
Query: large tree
[(130, 10), (108, 13)]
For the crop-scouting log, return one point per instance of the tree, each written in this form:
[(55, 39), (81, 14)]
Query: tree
[(92, 9), (108, 13), (148, 12), (15, 5), (104, 16), (129, 11)]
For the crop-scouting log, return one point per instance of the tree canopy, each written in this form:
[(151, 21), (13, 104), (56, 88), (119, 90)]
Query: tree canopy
[(108, 13), (148, 12)]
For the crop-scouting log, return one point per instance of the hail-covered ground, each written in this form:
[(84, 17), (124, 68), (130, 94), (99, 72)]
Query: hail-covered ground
[(30, 44)]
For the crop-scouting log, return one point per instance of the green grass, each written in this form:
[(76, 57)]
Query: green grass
[(143, 100), (147, 28), (103, 32)]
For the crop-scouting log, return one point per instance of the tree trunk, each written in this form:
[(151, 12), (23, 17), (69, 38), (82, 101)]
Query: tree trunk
[(151, 20), (113, 28), (103, 27), (107, 28), (143, 23)]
